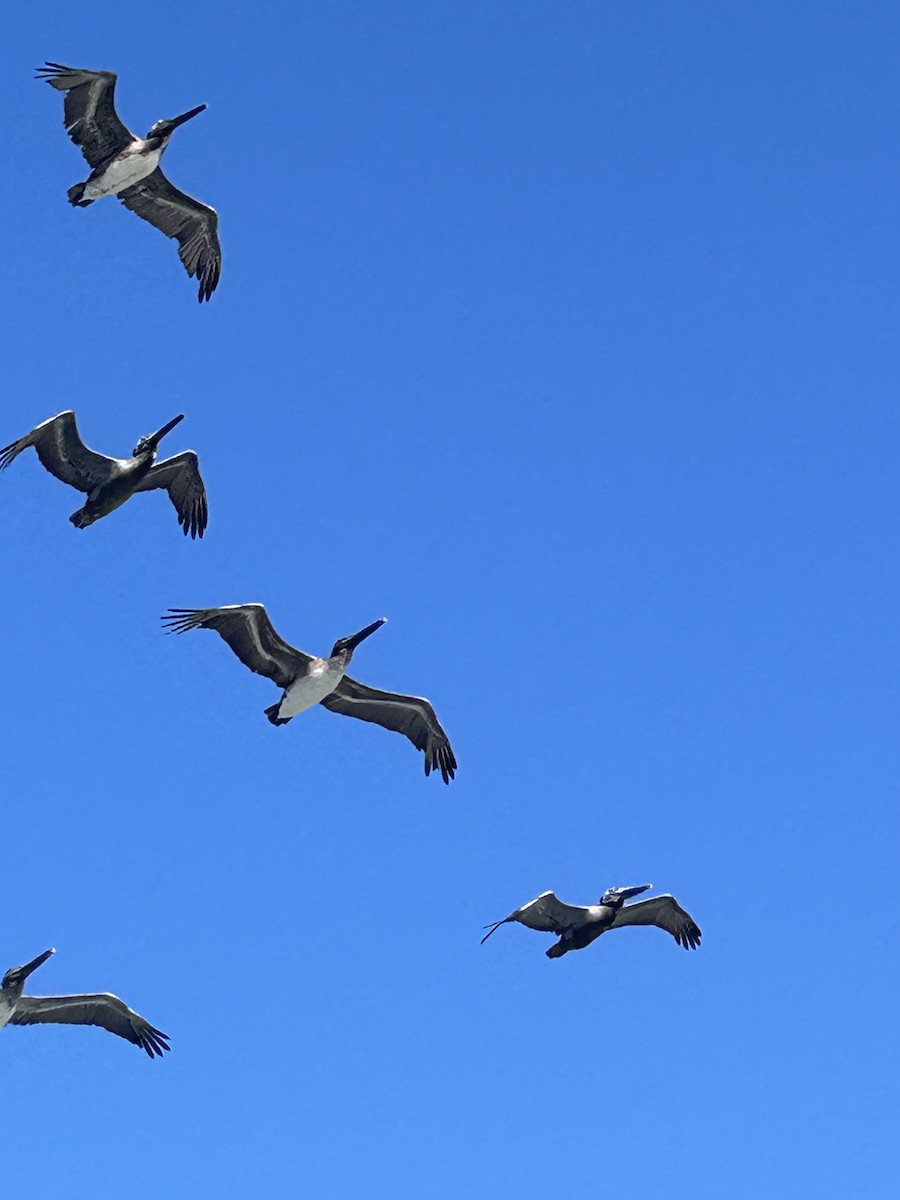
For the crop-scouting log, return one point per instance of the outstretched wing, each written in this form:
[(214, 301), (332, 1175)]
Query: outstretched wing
[(546, 913), (180, 476), (64, 454), (101, 1008), (412, 716), (89, 112), (250, 634), (666, 913), (195, 225)]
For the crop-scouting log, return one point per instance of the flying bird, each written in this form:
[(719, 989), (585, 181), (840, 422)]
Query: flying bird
[(128, 167), (109, 482), (97, 1008), (577, 927), (308, 680)]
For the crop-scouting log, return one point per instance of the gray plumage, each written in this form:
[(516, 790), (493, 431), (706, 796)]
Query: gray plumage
[(109, 482), (413, 716), (578, 926), (127, 166), (89, 112), (194, 225), (309, 680), (91, 1008)]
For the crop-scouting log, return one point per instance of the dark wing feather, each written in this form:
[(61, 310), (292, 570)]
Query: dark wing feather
[(666, 913), (195, 225), (250, 634), (545, 913), (64, 454), (101, 1008), (412, 716), (180, 476), (90, 115)]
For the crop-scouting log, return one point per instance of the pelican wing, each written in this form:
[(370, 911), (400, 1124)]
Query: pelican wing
[(546, 913), (64, 454), (250, 634), (412, 716), (664, 912), (89, 112), (180, 476), (195, 225), (101, 1008)]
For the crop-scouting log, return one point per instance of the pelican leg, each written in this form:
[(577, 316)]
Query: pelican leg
[(566, 943), (76, 193), (272, 713), (88, 514), (97, 505)]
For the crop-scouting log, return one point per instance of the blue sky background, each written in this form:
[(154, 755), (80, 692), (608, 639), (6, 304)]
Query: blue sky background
[(567, 336)]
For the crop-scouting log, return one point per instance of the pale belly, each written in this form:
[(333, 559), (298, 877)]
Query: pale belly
[(122, 173), (309, 690), (6, 1011)]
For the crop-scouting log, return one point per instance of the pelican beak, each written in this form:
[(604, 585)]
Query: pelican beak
[(156, 438), (26, 970), (627, 893), (176, 121), (353, 642)]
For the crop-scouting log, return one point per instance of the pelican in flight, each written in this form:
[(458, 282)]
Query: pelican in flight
[(109, 482), (128, 167), (308, 680), (91, 1008), (577, 927)]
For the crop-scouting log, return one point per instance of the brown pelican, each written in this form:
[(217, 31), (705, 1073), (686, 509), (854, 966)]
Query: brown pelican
[(307, 680), (578, 927), (97, 1008), (109, 482), (128, 167)]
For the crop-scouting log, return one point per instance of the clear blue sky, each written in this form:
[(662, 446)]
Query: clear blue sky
[(567, 335)]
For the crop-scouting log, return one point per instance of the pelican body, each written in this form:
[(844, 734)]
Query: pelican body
[(109, 482), (96, 1008), (306, 680), (125, 478), (128, 167), (578, 926), (321, 678)]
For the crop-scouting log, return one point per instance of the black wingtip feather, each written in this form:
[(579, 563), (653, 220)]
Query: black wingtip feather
[(180, 620), (153, 1041)]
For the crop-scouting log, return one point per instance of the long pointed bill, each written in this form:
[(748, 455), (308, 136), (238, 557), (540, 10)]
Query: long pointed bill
[(627, 893), (26, 970), (353, 642), (157, 437), (194, 112)]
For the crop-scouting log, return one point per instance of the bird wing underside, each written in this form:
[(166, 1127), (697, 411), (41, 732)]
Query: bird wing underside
[(177, 215), (180, 476), (548, 914), (64, 454), (545, 913), (89, 110), (250, 634), (101, 1009), (413, 716), (666, 913)]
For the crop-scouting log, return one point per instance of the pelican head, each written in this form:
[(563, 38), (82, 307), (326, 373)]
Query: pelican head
[(165, 129), (615, 897), (346, 646), (14, 979), (150, 443)]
